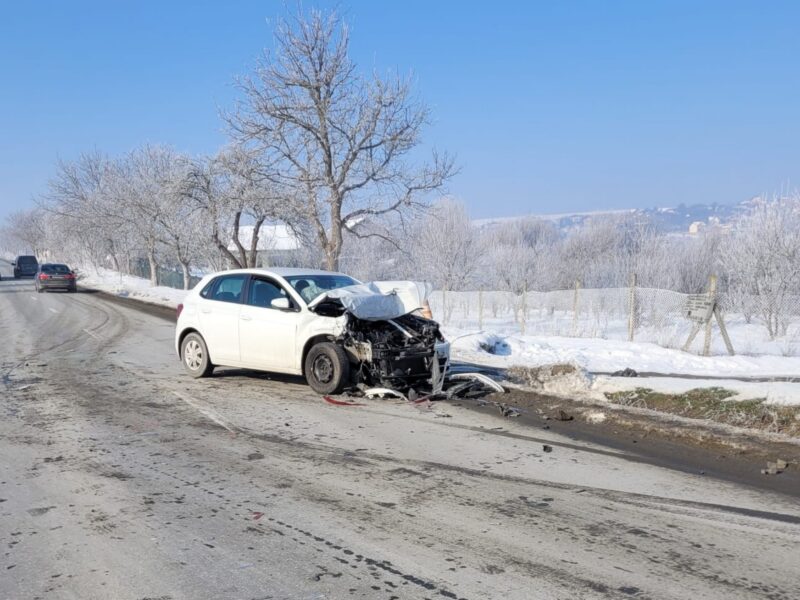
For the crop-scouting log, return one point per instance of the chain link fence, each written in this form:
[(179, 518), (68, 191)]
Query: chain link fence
[(756, 324)]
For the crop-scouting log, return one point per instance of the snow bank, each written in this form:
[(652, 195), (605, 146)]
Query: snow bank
[(129, 286), (607, 356)]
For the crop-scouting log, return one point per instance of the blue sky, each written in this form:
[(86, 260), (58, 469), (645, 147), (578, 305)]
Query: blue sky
[(549, 106)]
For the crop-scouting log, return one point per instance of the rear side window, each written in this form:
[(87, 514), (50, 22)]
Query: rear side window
[(225, 289)]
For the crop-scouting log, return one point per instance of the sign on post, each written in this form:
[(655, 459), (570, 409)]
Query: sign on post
[(701, 309)]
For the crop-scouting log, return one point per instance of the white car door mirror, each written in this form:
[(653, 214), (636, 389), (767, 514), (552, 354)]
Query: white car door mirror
[(280, 303)]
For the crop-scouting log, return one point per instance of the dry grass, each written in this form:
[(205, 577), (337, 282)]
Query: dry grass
[(713, 403)]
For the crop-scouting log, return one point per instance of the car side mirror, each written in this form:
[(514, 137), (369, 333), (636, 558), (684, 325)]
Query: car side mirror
[(13, 263), (280, 303)]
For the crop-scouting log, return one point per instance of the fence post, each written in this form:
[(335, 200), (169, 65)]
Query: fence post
[(632, 308), (712, 294), (575, 309), (480, 308)]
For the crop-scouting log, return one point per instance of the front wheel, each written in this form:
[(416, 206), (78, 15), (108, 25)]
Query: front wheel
[(327, 368), (194, 356)]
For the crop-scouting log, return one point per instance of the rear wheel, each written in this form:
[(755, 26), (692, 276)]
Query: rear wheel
[(194, 356), (327, 368)]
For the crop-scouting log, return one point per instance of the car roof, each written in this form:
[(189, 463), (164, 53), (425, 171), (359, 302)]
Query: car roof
[(52, 265), (280, 272)]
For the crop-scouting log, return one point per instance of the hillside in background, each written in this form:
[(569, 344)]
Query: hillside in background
[(668, 220)]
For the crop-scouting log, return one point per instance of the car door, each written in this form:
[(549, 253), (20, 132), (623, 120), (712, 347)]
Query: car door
[(268, 335), (219, 306)]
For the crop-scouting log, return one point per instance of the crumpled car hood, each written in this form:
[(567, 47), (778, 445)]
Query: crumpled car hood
[(378, 300)]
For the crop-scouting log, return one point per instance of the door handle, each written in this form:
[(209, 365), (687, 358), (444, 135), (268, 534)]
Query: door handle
[(245, 318)]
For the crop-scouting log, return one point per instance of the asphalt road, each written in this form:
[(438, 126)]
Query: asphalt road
[(120, 477)]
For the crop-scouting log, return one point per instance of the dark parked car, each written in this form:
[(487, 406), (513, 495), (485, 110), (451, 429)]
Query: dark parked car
[(25, 266), (55, 277)]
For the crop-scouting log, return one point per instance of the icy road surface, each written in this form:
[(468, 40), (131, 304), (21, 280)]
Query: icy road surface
[(122, 478)]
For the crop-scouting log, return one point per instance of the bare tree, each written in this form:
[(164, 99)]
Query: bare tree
[(445, 250), (26, 231), (335, 141), (238, 198), (762, 257)]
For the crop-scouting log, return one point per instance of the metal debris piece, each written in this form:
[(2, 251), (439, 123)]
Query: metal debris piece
[(508, 411), (485, 380), (379, 392)]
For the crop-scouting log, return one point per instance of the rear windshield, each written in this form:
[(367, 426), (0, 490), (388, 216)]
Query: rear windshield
[(311, 286), (27, 260), (55, 269)]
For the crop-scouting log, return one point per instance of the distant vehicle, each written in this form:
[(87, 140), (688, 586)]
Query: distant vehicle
[(25, 266), (51, 276), (325, 326)]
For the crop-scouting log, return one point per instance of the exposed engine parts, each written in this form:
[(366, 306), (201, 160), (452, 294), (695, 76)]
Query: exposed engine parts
[(398, 353)]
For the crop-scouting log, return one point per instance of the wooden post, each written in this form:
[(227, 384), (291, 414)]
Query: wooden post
[(632, 307), (724, 331), (575, 309), (712, 294), (480, 308)]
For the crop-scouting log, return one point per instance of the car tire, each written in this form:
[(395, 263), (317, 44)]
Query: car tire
[(194, 356), (39, 290), (327, 368)]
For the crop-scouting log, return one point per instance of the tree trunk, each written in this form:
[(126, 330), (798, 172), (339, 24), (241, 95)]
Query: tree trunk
[(151, 259), (186, 276), (253, 259)]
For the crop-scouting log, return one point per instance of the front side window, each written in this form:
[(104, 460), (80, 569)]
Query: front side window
[(263, 292), (311, 286), (226, 289)]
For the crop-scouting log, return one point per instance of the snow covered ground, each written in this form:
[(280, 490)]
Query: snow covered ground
[(500, 344), (129, 286)]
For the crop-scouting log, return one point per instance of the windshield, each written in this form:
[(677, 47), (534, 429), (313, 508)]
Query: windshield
[(311, 286), (55, 269), (26, 260)]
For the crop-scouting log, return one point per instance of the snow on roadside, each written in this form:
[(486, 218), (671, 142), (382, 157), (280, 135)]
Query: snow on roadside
[(129, 286), (606, 356)]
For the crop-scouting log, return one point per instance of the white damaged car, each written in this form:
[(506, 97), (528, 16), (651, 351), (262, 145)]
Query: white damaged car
[(328, 327)]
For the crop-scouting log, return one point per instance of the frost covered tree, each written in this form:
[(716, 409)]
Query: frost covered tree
[(445, 249), (762, 257), (520, 253), (338, 142)]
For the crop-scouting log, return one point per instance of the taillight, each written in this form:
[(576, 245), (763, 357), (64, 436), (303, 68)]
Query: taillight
[(180, 310), (44, 276), (69, 276)]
